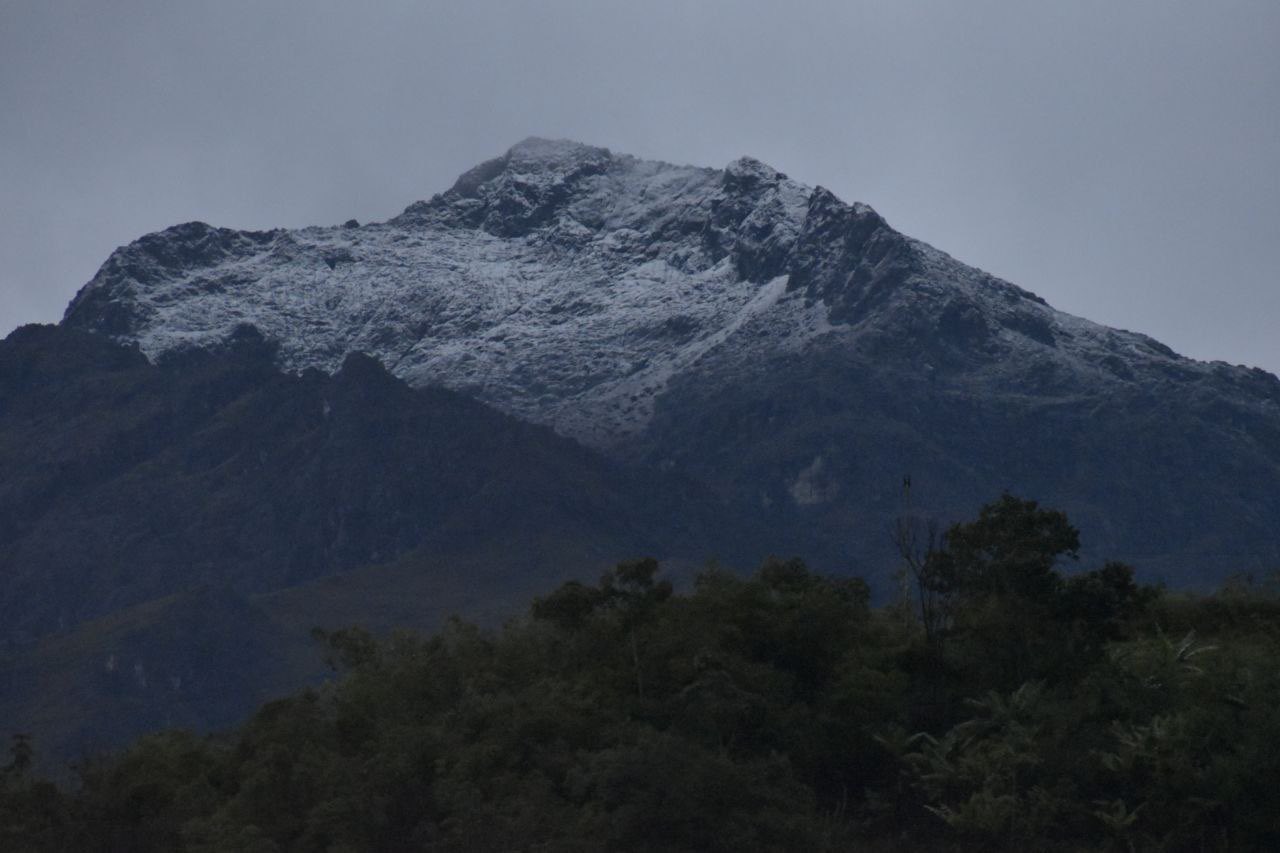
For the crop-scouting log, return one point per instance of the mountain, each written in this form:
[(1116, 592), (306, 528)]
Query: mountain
[(122, 481), (750, 332), (171, 532)]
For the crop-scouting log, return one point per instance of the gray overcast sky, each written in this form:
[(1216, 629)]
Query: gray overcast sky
[(1120, 159)]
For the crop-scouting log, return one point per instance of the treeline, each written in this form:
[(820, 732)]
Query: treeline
[(999, 704)]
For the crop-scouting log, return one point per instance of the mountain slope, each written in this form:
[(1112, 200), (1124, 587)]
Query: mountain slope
[(753, 332), (122, 481), (170, 533)]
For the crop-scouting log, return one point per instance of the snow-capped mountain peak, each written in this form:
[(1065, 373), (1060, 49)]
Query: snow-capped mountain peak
[(570, 285), (559, 281), (763, 336)]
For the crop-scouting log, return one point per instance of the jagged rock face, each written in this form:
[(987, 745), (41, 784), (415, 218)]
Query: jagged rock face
[(559, 282), (665, 313)]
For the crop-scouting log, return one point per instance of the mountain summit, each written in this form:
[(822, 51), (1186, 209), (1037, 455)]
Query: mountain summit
[(560, 282), (753, 332)]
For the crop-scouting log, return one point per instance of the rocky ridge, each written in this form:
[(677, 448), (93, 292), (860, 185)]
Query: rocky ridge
[(567, 285), (659, 311)]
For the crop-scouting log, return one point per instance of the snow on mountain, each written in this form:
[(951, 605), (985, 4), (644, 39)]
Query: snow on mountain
[(568, 285), (751, 332)]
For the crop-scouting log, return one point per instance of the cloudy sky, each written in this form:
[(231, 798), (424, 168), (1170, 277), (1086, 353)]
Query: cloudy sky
[(1120, 159)]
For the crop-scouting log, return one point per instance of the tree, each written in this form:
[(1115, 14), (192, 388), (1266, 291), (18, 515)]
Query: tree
[(632, 591), (995, 579), (1010, 550), (1010, 612), (21, 757), (917, 542)]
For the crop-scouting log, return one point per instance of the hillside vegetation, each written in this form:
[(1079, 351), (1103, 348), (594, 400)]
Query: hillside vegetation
[(1000, 703)]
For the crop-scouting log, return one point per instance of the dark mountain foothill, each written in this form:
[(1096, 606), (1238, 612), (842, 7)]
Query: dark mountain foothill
[(125, 483)]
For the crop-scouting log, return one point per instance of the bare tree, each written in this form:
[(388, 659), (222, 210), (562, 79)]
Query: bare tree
[(918, 542)]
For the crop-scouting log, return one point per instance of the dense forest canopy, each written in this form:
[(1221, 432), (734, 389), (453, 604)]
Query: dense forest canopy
[(999, 703)]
